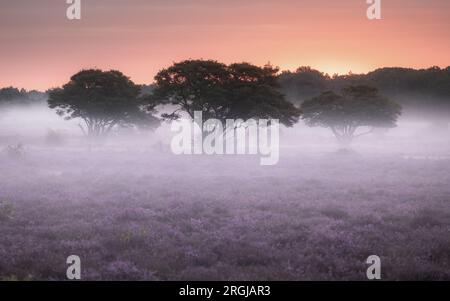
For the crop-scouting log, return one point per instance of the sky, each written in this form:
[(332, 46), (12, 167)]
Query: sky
[(40, 48)]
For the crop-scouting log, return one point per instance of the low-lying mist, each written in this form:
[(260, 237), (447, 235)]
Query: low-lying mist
[(133, 211), (38, 126)]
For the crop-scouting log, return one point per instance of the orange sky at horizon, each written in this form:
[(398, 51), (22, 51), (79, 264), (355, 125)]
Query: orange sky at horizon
[(40, 48)]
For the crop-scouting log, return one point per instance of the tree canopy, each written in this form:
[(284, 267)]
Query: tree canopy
[(236, 91), (15, 96), (424, 92), (355, 107), (304, 83), (103, 100)]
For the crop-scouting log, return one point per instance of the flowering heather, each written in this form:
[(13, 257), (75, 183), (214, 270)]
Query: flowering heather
[(154, 216)]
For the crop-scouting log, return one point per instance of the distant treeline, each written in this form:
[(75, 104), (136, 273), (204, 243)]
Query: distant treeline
[(425, 90), (15, 96)]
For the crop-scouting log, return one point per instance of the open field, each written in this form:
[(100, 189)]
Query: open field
[(154, 216)]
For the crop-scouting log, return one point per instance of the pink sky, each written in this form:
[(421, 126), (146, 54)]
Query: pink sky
[(40, 48)]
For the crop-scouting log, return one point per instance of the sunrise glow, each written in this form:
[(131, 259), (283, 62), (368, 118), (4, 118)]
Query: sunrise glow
[(140, 39)]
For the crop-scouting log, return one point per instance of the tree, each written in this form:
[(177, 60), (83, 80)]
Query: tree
[(8, 94), (423, 93), (15, 96), (237, 91), (357, 106), (103, 100), (303, 84)]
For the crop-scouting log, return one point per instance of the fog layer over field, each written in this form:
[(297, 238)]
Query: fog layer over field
[(132, 210)]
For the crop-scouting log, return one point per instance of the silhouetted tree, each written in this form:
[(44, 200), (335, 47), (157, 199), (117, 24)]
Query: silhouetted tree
[(357, 106), (8, 94), (237, 91), (103, 100), (303, 84)]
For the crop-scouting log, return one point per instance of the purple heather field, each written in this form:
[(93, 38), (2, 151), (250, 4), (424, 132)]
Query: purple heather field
[(134, 211)]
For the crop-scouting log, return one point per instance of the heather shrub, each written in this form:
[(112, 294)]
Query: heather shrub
[(13, 278), (334, 213), (6, 211), (149, 216)]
